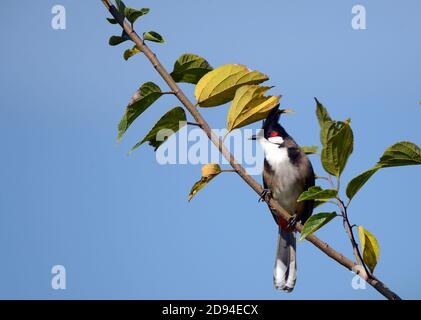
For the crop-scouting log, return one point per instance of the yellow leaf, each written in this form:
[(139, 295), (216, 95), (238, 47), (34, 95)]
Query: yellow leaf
[(249, 105), (218, 86), (370, 248), (130, 53), (209, 171)]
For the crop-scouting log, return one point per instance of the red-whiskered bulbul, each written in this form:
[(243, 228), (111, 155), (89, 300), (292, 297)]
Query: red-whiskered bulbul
[(287, 173)]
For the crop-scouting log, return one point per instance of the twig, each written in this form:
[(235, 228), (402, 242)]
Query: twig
[(357, 253), (349, 264), (193, 124)]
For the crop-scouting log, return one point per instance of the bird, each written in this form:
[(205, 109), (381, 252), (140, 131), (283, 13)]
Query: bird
[(287, 172)]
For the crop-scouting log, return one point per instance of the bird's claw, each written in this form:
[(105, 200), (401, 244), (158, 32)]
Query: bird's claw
[(265, 195)]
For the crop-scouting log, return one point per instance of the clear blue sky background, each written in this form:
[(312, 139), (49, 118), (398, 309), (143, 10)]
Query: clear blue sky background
[(121, 225)]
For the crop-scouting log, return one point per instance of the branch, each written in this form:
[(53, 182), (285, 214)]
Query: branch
[(347, 263), (365, 273)]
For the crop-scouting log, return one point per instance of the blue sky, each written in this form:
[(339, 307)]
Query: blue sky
[(121, 225)]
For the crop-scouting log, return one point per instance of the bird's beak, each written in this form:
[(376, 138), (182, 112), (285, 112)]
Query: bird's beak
[(253, 137), (280, 111)]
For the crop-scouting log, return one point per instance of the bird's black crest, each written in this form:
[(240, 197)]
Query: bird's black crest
[(271, 125)]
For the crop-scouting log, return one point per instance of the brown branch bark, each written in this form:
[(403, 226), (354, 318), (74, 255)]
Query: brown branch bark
[(347, 263)]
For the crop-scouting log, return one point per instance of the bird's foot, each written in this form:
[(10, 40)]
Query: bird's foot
[(292, 222), (265, 195)]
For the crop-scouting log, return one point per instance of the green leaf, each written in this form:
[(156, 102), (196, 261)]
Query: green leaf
[(401, 154), (250, 105), (130, 53), (219, 85), (321, 113), (112, 20), (370, 248), (317, 193), (356, 184), (338, 147), (116, 40), (310, 149), (170, 123), (133, 14), (325, 122), (153, 36), (209, 171), (315, 222), (120, 6), (318, 203), (190, 68), (148, 93)]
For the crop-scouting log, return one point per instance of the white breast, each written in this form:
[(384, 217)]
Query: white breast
[(284, 186)]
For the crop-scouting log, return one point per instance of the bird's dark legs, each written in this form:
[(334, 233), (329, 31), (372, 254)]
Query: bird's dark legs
[(265, 195)]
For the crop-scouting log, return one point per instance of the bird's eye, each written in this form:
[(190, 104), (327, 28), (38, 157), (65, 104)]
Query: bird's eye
[(274, 134)]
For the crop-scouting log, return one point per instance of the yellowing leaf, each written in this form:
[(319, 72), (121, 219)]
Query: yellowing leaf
[(218, 86), (249, 105), (130, 53), (170, 123), (370, 248), (209, 171)]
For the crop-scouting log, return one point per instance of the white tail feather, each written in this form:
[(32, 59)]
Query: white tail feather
[(285, 271)]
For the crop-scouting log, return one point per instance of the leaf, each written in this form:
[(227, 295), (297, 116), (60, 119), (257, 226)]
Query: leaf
[(209, 171), (249, 105), (171, 122), (120, 6), (219, 86), (401, 154), (112, 20), (148, 93), (322, 114), (317, 193), (130, 53), (356, 184), (318, 203), (315, 222), (133, 14), (370, 248), (310, 149), (325, 121), (116, 40), (338, 147), (153, 36), (190, 68)]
